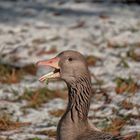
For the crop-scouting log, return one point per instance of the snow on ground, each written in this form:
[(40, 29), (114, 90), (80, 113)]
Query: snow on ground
[(30, 30)]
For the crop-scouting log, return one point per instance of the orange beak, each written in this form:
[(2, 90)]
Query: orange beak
[(54, 63)]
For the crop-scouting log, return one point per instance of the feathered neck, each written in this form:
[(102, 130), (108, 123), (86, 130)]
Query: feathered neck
[(79, 97), (75, 117)]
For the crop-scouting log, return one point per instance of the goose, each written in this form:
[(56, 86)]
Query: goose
[(71, 67)]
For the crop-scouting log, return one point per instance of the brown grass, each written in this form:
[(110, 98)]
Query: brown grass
[(10, 74), (39, 96), (7, 124), (92, 60), (115, 126), (50, 133), (57, 113), (126, 85)]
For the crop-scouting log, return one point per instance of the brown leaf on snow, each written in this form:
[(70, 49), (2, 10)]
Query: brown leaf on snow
[(79, 24), (127, 105), (38, 41), (43, 51)]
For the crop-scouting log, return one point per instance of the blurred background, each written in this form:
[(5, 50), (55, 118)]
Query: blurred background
[(107, 32)]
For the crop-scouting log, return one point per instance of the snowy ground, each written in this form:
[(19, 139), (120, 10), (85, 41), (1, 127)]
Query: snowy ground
[(35, 30)]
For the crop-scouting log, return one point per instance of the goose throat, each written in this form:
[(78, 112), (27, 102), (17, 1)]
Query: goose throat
[(79, 98)]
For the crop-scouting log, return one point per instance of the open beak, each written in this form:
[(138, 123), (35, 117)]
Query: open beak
[(50, 63)]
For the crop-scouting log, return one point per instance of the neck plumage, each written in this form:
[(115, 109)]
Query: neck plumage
[(76, 113), (79, 98)]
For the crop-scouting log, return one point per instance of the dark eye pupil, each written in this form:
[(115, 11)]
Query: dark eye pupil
[(70, 59)]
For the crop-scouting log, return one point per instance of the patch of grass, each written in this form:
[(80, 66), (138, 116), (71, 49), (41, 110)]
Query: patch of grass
[(127, 105), (10, 74), (6, 123), (39, 96), (123, 63), (133, 30), (50, 133), (133, 55), (115, 126), (111, 45), (36, 97), (57, 113), (91, 60), (126, 85), (29, 69), (36, 138), (5, 138), (38, 41), (138, 136)]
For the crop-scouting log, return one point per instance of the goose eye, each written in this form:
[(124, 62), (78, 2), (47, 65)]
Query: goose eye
[(70, 59)]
